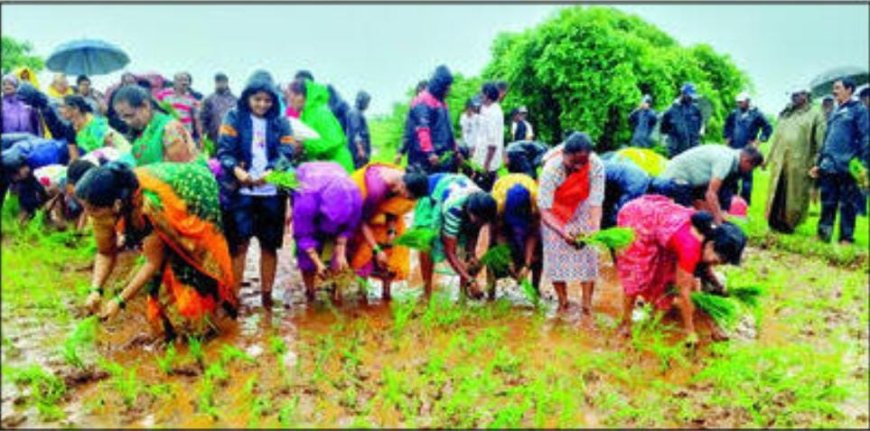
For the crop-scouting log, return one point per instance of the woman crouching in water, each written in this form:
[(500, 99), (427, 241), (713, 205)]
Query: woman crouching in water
[(172, 210)]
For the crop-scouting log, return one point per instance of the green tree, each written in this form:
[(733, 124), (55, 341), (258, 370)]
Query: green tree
[(587, 67), (17, 54)]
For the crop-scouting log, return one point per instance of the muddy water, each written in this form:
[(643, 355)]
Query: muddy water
[(332, 351)]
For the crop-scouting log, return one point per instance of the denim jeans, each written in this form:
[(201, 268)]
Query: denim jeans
[(838, 190)]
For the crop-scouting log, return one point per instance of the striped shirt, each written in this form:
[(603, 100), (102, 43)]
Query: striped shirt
[(186, 105)]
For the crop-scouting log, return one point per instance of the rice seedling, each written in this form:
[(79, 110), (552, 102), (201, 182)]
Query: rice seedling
[(722, 310), (615, 238), (82, 336), (217, 373), (277, 346), (510, 416), (284, 179), (228, 353), (402, 311), (206, 402), (47, 390), (446, 157), (166, 363), (124, 381), (417, 238), (194, 345), (287, 414)]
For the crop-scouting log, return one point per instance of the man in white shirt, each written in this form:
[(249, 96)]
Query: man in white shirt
[(469, 122), (490, 141)]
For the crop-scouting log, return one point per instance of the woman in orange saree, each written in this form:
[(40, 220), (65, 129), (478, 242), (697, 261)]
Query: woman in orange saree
[(172, 210), (388, 195)]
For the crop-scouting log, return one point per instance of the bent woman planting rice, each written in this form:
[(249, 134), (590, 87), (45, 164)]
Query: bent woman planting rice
[(172, 210), (326, 212), (456, 210), (673, 245), (388, 194), (518, 227)]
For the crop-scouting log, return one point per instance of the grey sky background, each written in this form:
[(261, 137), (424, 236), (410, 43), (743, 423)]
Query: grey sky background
[(385, 49)]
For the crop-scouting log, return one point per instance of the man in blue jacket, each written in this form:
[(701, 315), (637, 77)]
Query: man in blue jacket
[(846, 139), (428, 128), (741, 129), (682, 122)]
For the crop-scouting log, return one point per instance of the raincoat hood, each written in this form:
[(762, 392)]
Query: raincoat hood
[(260, 81), (315, 95), (440, 82), (362, 100)]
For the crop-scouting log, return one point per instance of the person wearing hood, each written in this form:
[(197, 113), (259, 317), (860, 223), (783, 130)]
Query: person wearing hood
[(250, 147), (799, 135), (310, 99), (327, 209), (18, 116), (59, 88), (216, 105), (673, 245), (742, 128), (337, 105), (428, 127), (358, 139), (682, 122), (155, 136), (642, 121)]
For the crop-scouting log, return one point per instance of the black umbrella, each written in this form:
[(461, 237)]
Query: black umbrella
[(822, 84)]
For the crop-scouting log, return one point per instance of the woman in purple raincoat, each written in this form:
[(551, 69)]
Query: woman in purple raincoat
[(327, 207)]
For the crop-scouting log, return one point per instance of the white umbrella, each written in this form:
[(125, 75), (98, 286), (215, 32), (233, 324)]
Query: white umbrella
[(302, 131)]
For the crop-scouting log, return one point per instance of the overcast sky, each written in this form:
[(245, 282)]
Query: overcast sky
[(385, 49)]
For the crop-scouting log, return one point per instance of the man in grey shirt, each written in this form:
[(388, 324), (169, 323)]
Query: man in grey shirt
[(702, 176)]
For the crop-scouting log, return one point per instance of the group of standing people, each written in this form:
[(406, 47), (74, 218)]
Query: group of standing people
[(811, 149)]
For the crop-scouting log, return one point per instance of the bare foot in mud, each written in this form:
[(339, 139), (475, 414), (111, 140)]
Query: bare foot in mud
[(718, 334), (564, 307), (624, 331)]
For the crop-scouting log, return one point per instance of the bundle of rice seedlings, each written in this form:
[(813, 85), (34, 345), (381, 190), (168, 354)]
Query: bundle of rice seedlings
[(747, 295), (446, 157), (418, 238), (859, 172), (530, 292), (615, 238), (497, 259), (720, 309), (473, 166), (283, 179)]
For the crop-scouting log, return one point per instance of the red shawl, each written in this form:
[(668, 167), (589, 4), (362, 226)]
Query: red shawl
[(573, 191)]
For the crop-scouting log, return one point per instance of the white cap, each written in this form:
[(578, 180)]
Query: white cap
[(743, 97)]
